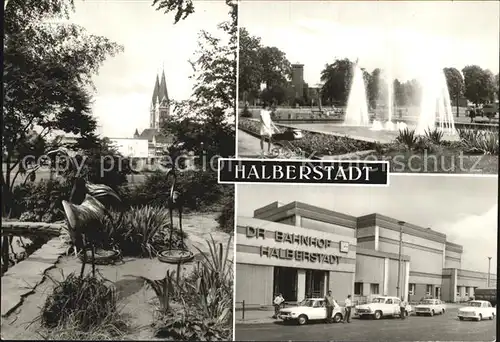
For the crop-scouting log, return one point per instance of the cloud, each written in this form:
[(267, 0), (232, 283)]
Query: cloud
[(478, 235)]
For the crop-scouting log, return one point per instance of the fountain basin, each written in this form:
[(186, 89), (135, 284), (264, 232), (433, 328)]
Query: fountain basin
[(175, 256), (102, 257)]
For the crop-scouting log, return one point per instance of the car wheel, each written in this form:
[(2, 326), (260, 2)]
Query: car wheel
[(337, 318), (377, 315), (432, 313), (417, 314), (461, 318), (302, 319), (480, 317), (492, 316), (442, 312)]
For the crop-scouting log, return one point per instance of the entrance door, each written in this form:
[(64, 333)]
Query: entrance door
[(315, 283), (438, 293), (285, 282)]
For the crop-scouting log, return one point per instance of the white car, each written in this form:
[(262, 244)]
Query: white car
[(310, 309), (430, 307), (381, 306), (477, 310)]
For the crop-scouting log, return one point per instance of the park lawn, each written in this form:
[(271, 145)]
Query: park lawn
[(448, 161)]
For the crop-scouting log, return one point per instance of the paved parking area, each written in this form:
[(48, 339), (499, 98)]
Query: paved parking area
[(445, 327)]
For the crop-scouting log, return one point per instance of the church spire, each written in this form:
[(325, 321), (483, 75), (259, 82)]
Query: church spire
[(163, 93), (156, 91)]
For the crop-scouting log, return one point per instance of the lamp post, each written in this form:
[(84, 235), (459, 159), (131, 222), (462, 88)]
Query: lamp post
[(401, 223), (489, 264)]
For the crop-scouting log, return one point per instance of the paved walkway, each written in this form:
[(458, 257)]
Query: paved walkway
[(249, 146)]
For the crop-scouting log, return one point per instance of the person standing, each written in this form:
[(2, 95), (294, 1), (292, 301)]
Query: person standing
[(348, 307), (402, 308), (330, 304), (278, 301), (266, 128)]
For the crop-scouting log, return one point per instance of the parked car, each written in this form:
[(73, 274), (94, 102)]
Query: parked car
[(430, 307), (381, 306), (477, 310), (310, 309)]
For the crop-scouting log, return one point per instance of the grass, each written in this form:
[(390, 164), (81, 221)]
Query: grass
[(82, 308)]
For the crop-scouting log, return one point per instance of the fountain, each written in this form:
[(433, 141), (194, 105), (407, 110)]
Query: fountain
[(435, 105), (357, 107)]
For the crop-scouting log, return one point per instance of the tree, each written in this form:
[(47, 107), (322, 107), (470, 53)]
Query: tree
[(479, 84), (250, 67), (48, 65), (276, 69), (455, 83), (399, 94), (182, 8), (337, 78), (497, 86), (373, 88), (205, 123)]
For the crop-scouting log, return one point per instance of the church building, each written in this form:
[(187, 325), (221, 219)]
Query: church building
[(158, 114)]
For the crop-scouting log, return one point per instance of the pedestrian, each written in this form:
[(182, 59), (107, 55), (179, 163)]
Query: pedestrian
[(330, 304), (278, 301), (348, 307), (266, 128), (402, 308), (472, 115)]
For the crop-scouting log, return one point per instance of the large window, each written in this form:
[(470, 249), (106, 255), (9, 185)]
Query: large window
[(411, 290), (358, 289), (428, 290), (374, 289)]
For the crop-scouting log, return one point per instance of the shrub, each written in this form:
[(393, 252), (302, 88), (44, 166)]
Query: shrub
[(435, 135), (139, 231), (189, 325), (246, 112), (85, 302), (479, 141), (407, 137), (40, 202), (226, 217), (200, 190)]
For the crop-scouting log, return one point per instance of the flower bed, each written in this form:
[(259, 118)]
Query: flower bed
[(315, 143)]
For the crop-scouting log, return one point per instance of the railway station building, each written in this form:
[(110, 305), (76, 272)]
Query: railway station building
[(301, 250)]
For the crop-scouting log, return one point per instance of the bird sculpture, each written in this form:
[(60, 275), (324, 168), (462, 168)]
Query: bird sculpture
[(83, 222), (175, 201), (84, 210)]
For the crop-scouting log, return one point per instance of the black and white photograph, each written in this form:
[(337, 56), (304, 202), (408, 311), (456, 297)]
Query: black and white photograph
[(415, 83), (413, 261), (114, 225)]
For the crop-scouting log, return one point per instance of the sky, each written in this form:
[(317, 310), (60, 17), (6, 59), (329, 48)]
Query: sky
[(463, 208), (151, 42), (400, 37)]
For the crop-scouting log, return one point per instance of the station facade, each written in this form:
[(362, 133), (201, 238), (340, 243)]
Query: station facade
[(300, 250)]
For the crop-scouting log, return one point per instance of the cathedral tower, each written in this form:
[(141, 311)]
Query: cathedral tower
[(160, 103)]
